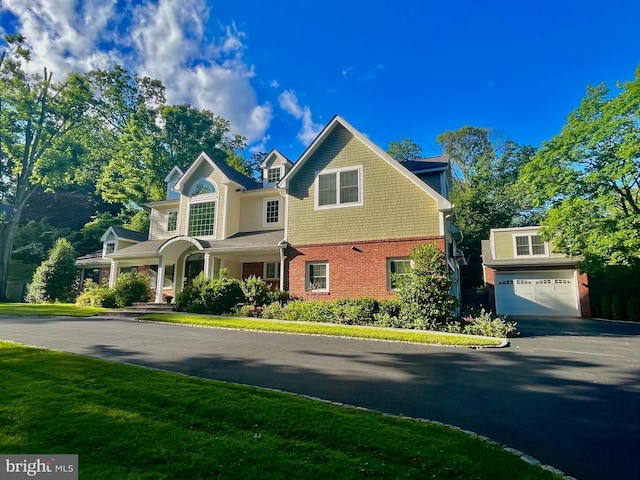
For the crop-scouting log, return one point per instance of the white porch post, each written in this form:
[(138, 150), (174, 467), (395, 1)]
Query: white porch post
[(113, 273), (281, 268), (208, 265), (160, 280)]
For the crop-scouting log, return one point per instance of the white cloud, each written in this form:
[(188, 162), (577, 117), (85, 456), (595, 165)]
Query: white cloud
[(164, 39), (274, 84), (289, 103)]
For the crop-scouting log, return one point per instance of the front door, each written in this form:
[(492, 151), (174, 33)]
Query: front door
[(193, 267)]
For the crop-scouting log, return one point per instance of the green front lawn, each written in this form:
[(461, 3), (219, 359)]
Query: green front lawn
[(48, 309), (394, 334), (129, 422)]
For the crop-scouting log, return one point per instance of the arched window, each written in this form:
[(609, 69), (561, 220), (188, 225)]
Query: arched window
[(201, 187)]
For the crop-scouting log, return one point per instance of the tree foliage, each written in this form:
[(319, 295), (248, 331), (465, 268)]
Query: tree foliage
[(425, 294), (404, 150), (589, 178), (486, 170), (54, 278), (36, 148)]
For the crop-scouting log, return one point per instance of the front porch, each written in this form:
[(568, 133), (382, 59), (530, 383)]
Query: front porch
[(172, 264)]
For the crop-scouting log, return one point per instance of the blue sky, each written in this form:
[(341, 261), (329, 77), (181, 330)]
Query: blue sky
[(392, 68)]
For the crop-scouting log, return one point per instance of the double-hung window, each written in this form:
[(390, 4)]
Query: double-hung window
[(273, 175), (339, 188), (529, 245), (397, 269), (317, 276), (272, 270), (172, 221), (271, 212)]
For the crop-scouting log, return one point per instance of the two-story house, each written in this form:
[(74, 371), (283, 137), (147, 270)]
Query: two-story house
[(523, 276), (337, 223)]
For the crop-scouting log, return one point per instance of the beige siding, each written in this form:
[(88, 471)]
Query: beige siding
[(393, 206), (252, 211), (158, 228), (232, 213)]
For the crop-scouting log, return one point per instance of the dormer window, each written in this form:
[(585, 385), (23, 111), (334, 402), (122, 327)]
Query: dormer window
[(273, 175), (529, 245), (109, 247)]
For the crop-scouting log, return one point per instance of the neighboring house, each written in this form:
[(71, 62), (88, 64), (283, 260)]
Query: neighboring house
[(524, 277), (337, 223)]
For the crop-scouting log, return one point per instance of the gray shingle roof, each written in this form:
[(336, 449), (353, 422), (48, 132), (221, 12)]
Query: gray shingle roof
[(130, 234)]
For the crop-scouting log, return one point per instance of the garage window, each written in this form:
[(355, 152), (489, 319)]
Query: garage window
[(529, 245)]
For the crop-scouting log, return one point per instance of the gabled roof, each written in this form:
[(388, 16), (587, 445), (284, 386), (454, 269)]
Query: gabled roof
[(174, 173), (443, 203), (278, 157), (125, 234), (229, 174)]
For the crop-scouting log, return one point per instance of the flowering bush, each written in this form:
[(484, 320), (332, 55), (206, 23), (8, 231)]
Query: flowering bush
[(486, 324)]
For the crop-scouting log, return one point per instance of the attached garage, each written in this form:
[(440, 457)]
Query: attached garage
[(546, 293)]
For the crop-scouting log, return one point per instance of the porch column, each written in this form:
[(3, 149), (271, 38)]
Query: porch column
[(281, 268), (160, 280), (113, 273), (208, 265)]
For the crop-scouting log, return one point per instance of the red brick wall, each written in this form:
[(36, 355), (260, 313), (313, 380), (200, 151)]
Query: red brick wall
[(583, 292), (356, 269), (490, 288)]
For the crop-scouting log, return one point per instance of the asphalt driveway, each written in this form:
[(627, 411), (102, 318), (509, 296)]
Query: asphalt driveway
[(567, 392)]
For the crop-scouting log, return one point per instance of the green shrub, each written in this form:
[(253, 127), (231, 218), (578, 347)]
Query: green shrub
[(132, 287), (256, 290), (605, 306), (617, 307), (488, 325), (424, 294), (633, 309), (280, 296), (275, 310), (53, 280), (96, 295), (210, 295)]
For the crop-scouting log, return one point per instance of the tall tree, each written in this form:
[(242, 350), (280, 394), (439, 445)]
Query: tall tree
[(140, 138), (404, 150), (589, 177), (36, 116), (486, 168)]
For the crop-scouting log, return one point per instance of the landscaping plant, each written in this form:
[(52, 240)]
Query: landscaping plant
[(53, 279)]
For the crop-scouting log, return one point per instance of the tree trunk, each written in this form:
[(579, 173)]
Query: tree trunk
[(7, 236)]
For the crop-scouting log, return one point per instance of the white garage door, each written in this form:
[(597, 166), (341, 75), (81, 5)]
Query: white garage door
[(551, 293)]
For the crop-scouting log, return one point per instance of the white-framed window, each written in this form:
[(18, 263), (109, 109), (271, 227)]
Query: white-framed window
[(109, 247), (172, 221), (202, 219), (272, 270), (271, 214), (338, 188), (397, 267), (317, 276), (529, 246), (274, 174), (203, 198)]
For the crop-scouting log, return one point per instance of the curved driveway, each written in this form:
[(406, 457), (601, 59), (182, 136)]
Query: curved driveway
[(567, 392)]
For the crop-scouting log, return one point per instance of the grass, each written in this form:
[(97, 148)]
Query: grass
[(129, 422), (48, 309), (310, 328)]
